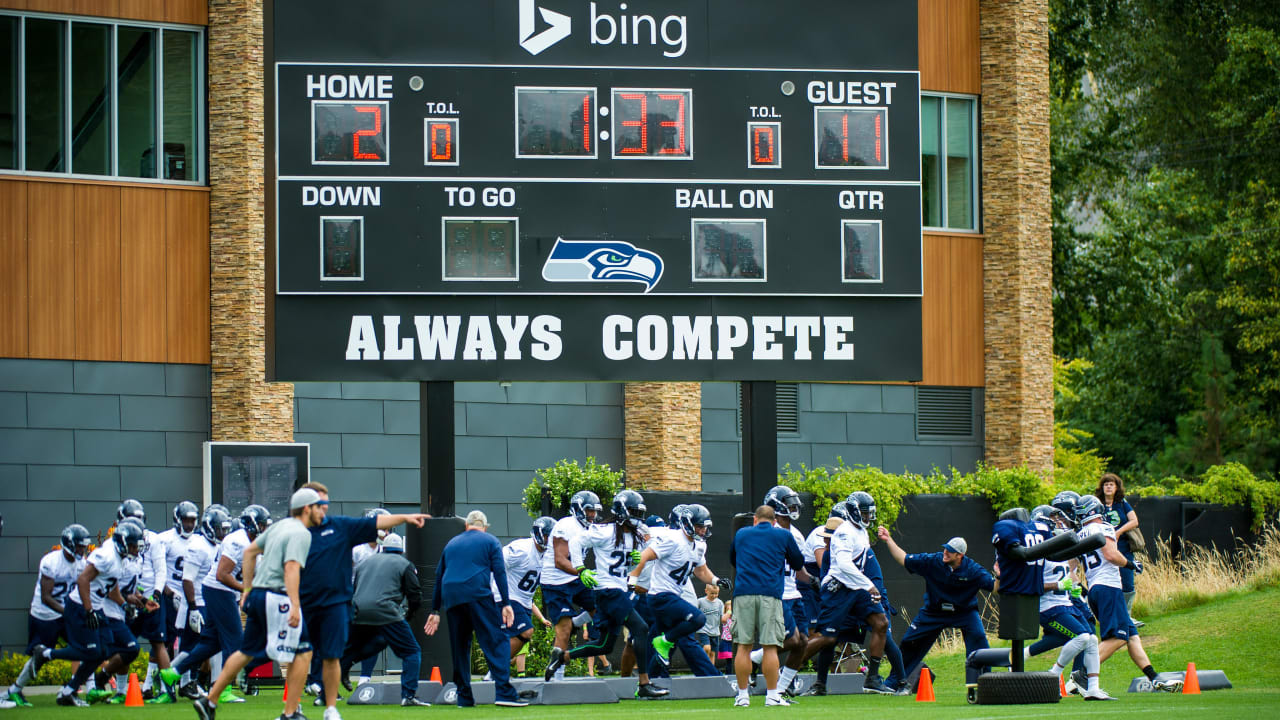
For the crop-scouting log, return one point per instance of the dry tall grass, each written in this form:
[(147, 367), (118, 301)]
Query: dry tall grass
[(1198, 574)]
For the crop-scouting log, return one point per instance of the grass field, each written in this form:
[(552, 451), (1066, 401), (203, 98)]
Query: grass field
[(1236, 633)]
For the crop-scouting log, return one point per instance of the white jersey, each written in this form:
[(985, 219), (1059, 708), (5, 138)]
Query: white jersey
[(848, 550), (1053, 572), (789, 590), (175, 556), (567, 528), (524, 568), (699, 559), (646, 575), (1097, 569), (64, 573), (676, 558), (154, 565), (112, 573), (128, 585), (233, 546), (613, 559), (813, 543), (200, 556)]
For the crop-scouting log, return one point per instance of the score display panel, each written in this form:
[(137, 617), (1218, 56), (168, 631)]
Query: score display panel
[(642, 217)]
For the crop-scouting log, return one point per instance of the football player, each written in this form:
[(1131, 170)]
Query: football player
[(58, 572), (562, 589), (1058, 616), (523, 558), (186, 516), (220, 589), (617, 547), (849, 600), (1102, 572), (676, 555), (149, 620), (91, 637), (202, 555)]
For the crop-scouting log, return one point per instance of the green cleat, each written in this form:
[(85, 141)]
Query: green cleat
[(97, 695), (663, 647), (117, 699), (229, 696), (169, 677), (164, 698), (19, 700)]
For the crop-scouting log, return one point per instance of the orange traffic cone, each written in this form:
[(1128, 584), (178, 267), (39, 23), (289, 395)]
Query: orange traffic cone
[(924, 689), (1190, 683), (1062, 688), (134, 697), (286, 692), (435, 674)]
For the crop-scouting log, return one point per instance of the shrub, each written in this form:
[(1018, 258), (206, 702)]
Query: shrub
[(1228, 484), (567, 477)]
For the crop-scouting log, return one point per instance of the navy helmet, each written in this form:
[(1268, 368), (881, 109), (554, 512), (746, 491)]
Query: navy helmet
[(1088, 509), (75, 541), (628, 508), (863, 508), (185, 510), (254, 520), (585, 506), (129, 538), (131, 509), (541, 531), (215, 524), (784, 501)]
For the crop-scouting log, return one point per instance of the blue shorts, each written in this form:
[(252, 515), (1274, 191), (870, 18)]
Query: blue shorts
[(116, 638), (558, 600), (149, 625), (1112, 613), (255, 627), (844, 609), (613, 607), (1083, 610), (704, 639), (329, 627), (44, 632), (79, 637), (641, 604), (669, 610), (1064, 621), (795, 616), (808, 601), (524, 620)]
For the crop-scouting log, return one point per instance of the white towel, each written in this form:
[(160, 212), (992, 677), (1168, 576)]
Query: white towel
[(282, 640)]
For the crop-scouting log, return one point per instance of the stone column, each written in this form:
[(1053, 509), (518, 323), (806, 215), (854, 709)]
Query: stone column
[(244, 406), (1017, 255), (663, 435)]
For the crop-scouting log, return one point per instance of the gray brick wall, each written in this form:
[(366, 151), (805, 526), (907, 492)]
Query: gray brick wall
[(78, 437), (861, 424), (364, 440)]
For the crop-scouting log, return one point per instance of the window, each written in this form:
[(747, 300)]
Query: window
[(98, 98), (948, 161), (787, 404)]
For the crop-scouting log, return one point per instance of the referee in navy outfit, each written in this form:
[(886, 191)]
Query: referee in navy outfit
[(462, 590)]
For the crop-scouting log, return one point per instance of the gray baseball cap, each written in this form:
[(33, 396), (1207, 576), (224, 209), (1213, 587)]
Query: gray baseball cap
[(304, 497), (957, 545)]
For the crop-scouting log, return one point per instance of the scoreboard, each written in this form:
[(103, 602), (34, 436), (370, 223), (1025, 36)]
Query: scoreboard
[(560, 189)]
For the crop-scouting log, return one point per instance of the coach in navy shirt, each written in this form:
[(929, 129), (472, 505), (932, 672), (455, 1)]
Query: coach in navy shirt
[(325, 587), (760, 555), (951, 585), (462, 591)]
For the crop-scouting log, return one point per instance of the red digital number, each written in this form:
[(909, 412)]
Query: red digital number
[(878, 138), (586, 122), (373, 133), (441, 136), (762, 137), (678, 123), (642, 123)]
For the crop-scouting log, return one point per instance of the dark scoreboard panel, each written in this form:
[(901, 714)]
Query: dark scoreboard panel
[(588, 155)]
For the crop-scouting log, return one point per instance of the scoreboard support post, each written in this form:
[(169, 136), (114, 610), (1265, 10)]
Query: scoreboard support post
[(436, 447), (759, 440)]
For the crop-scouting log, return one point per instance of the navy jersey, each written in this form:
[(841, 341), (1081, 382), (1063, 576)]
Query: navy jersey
[(1017, 577)]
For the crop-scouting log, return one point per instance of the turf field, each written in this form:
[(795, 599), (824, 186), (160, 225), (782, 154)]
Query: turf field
[(1237, 634)]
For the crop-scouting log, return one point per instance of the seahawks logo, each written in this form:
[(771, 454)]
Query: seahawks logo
[(600, 261)]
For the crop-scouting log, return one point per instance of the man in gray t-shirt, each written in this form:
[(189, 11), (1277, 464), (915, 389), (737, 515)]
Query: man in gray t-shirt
[(713, 608), (273, 564)]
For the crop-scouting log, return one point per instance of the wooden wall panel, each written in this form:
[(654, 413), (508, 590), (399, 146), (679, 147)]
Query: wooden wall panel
[(187, 241), (188, 12), (952, 311), (97, 301), (143, 283), (13, 269), (51, 270), (948, 35)]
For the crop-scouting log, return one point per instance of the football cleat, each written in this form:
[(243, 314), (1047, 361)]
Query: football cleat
[(742, 701), (1171, 686), (190, 691), (204, 710), (413, 702), (169, 677), (117, 699), (557, 659), (662, 646), (817, 690), (875, 685), (229, 696), (1098, 694), (98, 695), (69, 700), (507, 703), (37, 659), (312, 689), (164, 698), (1078, 682), (649, 690), (18, 699)]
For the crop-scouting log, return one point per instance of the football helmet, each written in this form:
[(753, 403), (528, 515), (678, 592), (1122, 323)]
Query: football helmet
[(1065, 502), (375, 512), (695, 516), (628, 508), (1089, 508), (254, 520), (673, 518), (1017, 513), (841, 510), (585, 506), (185, 510), (784, 501), (215, 524), (75, 541), (1050, 516), (133, 509), (541, 531), (129, 538), (862, 508)]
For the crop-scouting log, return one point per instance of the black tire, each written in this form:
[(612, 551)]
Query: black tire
[(1011, 688)]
